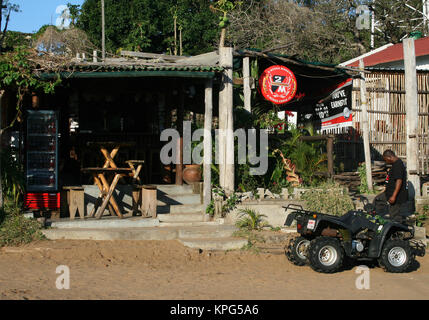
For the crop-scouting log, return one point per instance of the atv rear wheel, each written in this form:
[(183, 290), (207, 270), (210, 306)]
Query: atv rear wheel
[(325, 254), (296, 251), (396, 256)]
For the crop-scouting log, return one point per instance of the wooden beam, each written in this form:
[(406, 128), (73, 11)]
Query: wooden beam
[(365, 127), (330, 152), (247, 91), (103, 32), (411, 107), (180, 112), (208, 119)]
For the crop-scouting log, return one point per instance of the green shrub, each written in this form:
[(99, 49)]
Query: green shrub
[(363, 187), (251, 220), (15, 229), (327, 199)]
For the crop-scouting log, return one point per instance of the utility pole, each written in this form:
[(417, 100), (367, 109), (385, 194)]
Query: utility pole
[(425, 16), (373, 26), (103, 32)]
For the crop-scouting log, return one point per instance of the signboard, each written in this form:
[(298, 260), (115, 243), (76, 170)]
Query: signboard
[(278, 84), (334, 111)]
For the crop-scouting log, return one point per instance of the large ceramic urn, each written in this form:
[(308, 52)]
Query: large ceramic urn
[(192, 173)]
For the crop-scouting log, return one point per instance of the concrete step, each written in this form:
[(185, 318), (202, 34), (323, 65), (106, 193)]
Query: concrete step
[(181, 217), (149, 233), (222, 244), (185, 208), (112, 234), (207, 232), (173, 189), (178, 199), (105, 223)]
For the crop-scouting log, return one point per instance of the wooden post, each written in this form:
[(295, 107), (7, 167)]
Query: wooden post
[(247, 91), (365, 127), (226, 121), (180, 110), (412, 117), (330, 152), (103, 32), (208, 119)]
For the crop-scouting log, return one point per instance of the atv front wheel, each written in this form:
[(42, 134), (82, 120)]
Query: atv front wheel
[(325, 254), (296, 251), (396, 256)]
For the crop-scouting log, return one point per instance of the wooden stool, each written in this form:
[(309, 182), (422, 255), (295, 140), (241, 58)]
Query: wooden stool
[(149, 201), (75, 200)]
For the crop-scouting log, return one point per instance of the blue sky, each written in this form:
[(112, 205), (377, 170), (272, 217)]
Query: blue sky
[(36, 13)]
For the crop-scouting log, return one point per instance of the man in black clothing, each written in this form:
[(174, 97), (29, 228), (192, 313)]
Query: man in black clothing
[(396, 193)]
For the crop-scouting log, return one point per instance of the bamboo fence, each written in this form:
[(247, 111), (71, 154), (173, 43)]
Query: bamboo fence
[(386, 116)]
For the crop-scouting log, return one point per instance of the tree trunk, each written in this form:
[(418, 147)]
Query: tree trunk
[(222, 38)]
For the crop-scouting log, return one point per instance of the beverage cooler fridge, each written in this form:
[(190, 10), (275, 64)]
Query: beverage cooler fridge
[(42, 161)]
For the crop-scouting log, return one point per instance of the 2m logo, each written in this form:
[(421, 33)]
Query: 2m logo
[(278, 84)]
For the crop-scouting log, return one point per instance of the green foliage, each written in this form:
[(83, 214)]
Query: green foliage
[(12, 176), (17, 74), (14, 39), (74, 10), (15, 229), (421, 218), (229, 202), (148, 25), (308, 157), (363, 187), (251, 220), (328, 199)]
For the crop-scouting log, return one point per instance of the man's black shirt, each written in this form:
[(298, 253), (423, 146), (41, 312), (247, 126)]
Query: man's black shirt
[(397, 171)]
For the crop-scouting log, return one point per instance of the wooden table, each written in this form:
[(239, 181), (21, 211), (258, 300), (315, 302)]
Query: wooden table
[(106, 198), (110, 155)]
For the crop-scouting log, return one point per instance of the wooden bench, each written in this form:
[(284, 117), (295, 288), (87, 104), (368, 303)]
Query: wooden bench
[(75, 201)]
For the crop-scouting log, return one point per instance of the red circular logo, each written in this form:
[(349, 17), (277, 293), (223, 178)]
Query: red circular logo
[(278, 84)]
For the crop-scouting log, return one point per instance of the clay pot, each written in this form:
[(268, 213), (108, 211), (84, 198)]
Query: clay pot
[(192, 173)]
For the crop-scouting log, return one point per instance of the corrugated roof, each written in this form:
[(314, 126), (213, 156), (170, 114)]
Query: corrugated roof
[(392, 53), (98, 67)]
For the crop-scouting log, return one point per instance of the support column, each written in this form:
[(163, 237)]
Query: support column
[(226, 121), (412, 117), (208, 120), (247, 91), (365, 127), (180, 111)]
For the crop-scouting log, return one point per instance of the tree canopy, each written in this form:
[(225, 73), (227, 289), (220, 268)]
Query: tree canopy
[(148, 25)]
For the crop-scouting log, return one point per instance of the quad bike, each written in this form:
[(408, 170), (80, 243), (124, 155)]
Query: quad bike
[(326, 242)]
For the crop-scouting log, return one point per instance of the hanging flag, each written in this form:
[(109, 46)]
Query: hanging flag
[(334, 111)]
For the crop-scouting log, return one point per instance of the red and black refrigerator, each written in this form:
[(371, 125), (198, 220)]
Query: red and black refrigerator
[(42, 161)]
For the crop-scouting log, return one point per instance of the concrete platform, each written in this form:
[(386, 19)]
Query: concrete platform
[(134, 222), (148, 233)]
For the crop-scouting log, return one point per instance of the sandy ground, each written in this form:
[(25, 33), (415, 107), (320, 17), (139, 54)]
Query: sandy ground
[(167, 270)]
